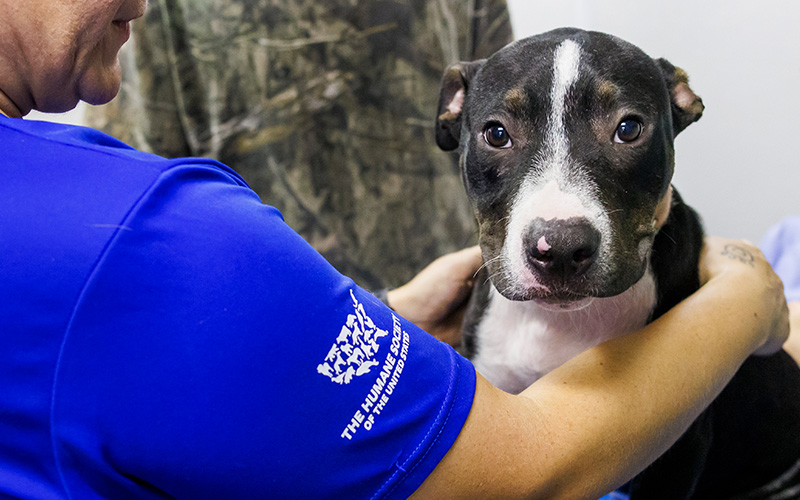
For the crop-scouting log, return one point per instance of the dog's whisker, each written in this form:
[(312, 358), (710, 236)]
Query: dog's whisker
[(485, 264)]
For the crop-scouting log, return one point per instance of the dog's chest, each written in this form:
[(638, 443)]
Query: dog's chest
[(519, 342)]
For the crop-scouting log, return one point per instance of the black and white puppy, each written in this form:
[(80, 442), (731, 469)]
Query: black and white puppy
[(566, 151)]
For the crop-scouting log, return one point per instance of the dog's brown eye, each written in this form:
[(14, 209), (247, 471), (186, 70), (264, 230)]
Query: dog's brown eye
[(628, 131), (497, 136)]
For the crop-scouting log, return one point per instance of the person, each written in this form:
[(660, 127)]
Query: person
[(781, 247), (165, 334)]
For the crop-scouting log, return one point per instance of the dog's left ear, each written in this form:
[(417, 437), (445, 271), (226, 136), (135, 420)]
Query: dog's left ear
[(455, 83), (687, 107)]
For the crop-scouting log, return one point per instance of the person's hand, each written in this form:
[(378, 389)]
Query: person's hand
[(436, 298), (736, 263), (792, 345)]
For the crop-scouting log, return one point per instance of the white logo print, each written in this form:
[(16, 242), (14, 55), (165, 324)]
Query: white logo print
[(353, 353)]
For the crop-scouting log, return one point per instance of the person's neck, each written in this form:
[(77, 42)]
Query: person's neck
[(8, 108)]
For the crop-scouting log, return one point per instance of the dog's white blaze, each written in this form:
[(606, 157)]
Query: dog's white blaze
[(550, 201), (565, 74), (522, 341), (556, 188)]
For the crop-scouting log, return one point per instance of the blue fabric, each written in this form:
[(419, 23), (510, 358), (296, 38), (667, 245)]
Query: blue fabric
[(164, 333), (616, 495), (781, 246)]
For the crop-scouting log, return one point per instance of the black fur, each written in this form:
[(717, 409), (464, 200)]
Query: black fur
[(676, 255)]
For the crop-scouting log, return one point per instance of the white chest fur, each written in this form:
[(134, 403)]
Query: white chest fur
[(518, 342)]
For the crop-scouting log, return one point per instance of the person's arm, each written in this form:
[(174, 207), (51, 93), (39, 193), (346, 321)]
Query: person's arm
[(435, 299), (793, 344), (242, 364), (599, 419), (781, 247)]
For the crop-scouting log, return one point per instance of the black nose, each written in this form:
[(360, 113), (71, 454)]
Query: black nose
[(561, 248)]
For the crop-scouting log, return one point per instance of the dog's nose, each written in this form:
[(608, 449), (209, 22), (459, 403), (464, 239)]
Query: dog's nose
[(562, 248)]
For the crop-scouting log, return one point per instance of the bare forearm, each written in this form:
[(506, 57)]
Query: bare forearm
[(628, 400)]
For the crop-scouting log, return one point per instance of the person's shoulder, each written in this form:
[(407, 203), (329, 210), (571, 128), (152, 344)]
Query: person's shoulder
[(781, 237), (46, 142), (781, 247), (25, 133), (69, 194)]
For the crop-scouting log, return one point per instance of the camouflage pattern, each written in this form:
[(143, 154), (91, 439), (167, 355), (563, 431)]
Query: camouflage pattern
[(326, 108)]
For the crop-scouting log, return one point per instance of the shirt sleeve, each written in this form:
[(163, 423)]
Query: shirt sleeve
[(214, 354), (781, 247)]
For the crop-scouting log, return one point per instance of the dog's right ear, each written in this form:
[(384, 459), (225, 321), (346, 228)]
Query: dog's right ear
[(687, 107), (455, 83)]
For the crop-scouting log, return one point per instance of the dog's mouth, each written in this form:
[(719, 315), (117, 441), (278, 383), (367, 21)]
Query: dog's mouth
[(571, 303), (565, 295), (554, 297)]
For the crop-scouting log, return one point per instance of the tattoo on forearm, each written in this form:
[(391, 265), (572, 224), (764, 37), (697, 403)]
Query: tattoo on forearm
[(738, 253)]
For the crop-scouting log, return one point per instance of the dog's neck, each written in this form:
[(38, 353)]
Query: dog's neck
[(522, 341)]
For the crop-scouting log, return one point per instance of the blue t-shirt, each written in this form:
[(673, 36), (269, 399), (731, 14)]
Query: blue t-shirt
[(164, 333), (781, 247)]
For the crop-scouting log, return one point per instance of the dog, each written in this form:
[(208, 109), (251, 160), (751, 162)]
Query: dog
[(565, 145)]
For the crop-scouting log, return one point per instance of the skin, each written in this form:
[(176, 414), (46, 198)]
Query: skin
[(792, 345), (434, 300), (561, 438), (77, 60)]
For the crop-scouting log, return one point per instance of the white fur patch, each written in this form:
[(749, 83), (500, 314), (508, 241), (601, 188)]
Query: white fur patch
[(519, 342), (565, 74)]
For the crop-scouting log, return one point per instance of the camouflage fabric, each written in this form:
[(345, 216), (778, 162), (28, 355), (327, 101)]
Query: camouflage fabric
[(325, 108)]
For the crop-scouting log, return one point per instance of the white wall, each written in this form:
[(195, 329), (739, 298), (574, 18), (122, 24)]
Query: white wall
[(738, 166)]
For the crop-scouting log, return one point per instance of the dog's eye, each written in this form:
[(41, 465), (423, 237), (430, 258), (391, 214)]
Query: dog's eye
[(497, 136), (628, 131)]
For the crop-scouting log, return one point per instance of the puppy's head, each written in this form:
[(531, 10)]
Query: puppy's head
[(566, 151)]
